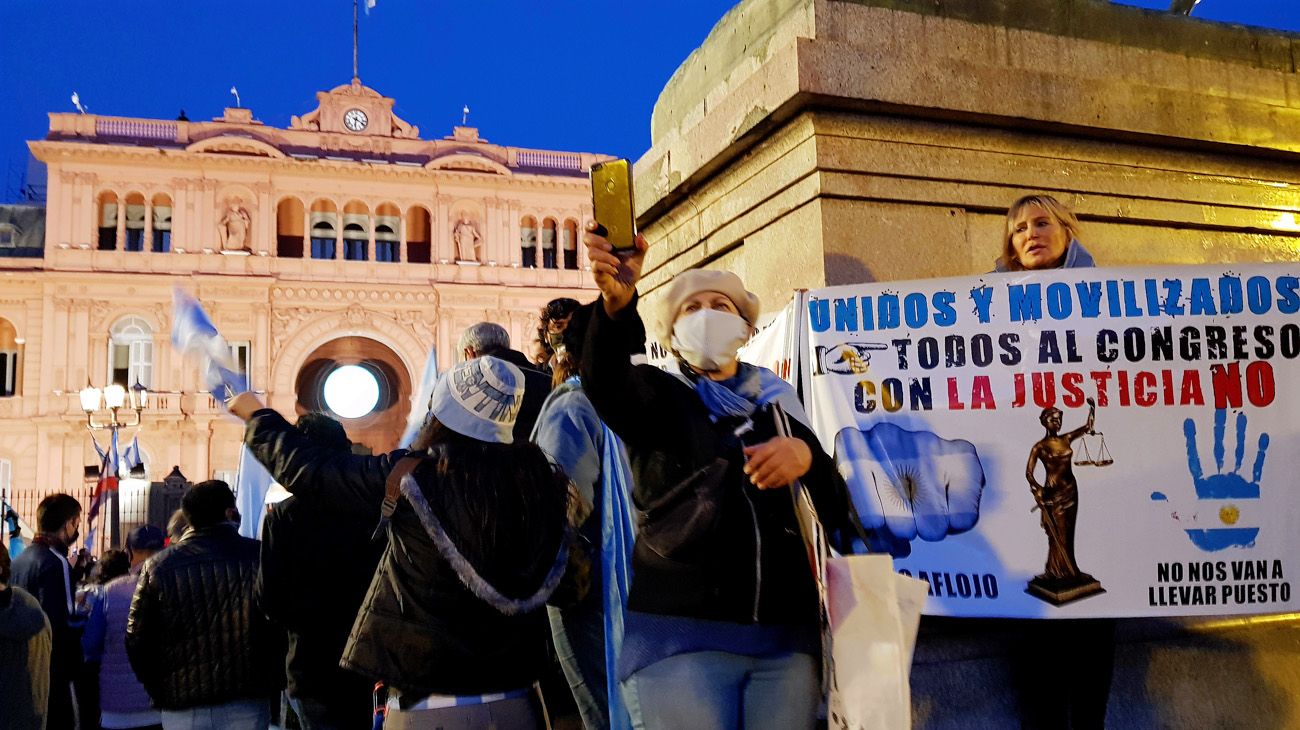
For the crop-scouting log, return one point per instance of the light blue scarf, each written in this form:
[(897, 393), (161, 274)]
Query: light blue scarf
[(752, 388)]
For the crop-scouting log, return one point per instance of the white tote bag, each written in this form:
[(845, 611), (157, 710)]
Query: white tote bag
[(870, 617), (874, 614)]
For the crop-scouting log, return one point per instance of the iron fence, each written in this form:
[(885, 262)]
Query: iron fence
[(134, 503)]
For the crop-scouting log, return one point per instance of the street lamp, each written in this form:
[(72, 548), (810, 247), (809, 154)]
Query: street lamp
[(113, 397)]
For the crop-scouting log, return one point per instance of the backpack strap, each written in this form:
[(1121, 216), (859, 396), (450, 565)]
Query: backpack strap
[(393, 491)]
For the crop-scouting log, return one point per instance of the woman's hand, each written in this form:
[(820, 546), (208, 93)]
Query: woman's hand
[(777, 462), (615, 274), (244, 405)]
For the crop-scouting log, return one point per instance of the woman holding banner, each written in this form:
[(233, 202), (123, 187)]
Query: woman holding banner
[(1041, 234), (723, 627)]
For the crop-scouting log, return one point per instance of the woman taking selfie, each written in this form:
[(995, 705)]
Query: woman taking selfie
[(722, 628)]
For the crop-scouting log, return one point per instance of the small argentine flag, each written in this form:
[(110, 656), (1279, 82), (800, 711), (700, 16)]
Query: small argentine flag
[(1217, 524)]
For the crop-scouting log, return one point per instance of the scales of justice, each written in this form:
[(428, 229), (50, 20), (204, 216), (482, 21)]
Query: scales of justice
[(1057, 501)]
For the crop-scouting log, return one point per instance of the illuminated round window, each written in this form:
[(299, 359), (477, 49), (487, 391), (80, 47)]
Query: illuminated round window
[(351, 391)]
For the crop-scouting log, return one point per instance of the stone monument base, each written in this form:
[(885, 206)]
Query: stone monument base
[(1060, 591)]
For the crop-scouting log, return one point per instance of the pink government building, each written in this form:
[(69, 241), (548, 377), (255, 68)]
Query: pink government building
[(345, 239)]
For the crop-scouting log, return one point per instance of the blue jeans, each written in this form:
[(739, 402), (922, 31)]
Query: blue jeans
[(715, 689), (239, 715), (579, 634)]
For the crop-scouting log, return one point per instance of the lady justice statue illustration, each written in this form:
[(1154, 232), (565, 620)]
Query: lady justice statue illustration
[(1058, 503)]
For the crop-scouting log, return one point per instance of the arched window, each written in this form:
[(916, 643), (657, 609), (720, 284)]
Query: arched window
[(162, 224), (569, 243), (388, 224), (106, 239), (354, 242), (548, 243), (528, 241), (419, 249), (356, 231), (10, 358), (322, 240), (288, 228), (130, 353), (386, 242), (134, 222), (324, 234)]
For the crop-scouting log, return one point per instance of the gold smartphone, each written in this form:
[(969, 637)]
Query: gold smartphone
[(611, 202)]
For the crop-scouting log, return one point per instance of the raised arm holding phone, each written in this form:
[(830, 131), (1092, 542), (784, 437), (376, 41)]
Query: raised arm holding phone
[(722, 629)]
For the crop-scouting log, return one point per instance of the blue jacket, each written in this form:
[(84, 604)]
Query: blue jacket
[(571, 433), (105, 642), (1076, 257)]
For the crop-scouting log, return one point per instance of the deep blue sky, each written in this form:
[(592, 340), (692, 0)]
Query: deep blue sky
[(577, 75)]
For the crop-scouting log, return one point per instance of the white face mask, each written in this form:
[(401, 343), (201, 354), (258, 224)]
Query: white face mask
[(709, 339)]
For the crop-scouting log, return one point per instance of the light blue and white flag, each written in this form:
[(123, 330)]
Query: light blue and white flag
[(252, 483), (194, 335), (131, 458), (420, 406)]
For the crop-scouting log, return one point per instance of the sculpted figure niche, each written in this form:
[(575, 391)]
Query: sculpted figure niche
[(234, 227), (466, 237)]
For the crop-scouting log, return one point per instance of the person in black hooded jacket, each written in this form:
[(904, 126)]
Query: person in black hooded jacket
[(453, 621), (317, 562)]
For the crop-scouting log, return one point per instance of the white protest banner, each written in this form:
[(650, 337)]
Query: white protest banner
[(959, 413), (777, 340)]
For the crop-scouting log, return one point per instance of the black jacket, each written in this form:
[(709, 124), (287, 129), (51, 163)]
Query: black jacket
[(315, 567), (40, 572), (743, 562), (317, 554), (537, 385), (420, 629), (194, 635)]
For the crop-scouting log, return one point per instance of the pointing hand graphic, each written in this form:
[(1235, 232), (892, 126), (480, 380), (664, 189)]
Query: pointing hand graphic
[(909, 484)]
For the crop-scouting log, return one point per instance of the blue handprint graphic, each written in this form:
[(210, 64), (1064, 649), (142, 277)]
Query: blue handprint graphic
[(1213, 524)]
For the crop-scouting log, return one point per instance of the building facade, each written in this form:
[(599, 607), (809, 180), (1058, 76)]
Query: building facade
[(345, 239)]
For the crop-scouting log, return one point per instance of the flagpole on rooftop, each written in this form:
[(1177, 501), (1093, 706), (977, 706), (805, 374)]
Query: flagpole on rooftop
[(355, 73)]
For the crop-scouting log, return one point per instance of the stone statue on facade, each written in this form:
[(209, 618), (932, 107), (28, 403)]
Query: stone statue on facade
[(466, 237), (235, 225)]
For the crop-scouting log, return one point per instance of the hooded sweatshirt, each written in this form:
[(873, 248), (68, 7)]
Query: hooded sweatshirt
[(24, 659)]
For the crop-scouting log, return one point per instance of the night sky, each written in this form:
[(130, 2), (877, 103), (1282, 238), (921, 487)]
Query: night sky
[(564, 75)]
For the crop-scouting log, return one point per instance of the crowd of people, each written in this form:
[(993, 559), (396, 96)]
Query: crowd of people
[(434, 586)]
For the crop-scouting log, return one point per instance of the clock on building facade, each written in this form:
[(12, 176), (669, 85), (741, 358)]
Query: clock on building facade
[(355, 120)]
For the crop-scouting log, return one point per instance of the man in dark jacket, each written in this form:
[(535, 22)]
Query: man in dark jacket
[(43, 571), (317, 562), (201, 648), (24, 655), (489, 338)]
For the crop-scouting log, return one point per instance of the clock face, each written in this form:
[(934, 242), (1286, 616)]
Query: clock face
[(355, 120)]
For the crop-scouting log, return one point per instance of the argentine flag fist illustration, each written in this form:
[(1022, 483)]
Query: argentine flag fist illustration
[(908, 484)]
